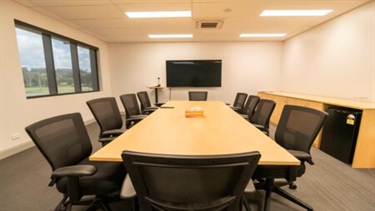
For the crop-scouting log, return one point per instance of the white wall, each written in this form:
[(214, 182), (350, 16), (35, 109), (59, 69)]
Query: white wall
[(246, 66), (16, 111), (336, 59)]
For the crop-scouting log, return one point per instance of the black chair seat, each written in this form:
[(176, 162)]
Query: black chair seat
[(108, 178)]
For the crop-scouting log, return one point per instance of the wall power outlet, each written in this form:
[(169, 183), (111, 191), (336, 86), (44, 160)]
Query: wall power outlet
[(15, 136)]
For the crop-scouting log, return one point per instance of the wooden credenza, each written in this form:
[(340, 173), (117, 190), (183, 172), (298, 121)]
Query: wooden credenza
[(364, 155)]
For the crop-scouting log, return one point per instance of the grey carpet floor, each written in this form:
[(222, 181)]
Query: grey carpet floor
[(329, 185)]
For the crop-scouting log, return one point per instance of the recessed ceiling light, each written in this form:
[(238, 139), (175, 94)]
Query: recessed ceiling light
[(295, 12), (263, 35), (170, 36), (159, 14)]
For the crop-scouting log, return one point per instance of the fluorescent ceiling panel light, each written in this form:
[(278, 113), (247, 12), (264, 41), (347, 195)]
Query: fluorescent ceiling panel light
[(295, 12), (159, 14), (263, 35), (170, 36)]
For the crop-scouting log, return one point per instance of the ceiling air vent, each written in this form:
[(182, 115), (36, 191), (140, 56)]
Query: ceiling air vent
[(213, 24)]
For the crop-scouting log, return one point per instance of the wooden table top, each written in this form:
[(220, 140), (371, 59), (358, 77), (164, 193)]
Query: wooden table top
[(219, 131)]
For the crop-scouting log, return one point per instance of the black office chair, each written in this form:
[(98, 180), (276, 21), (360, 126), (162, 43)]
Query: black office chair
[(198, 95), (133, 114), (249, 108), (262, 115), (239, 101), (145, 102), (64, 142), (296, 131), (178, 182), (108, 117)]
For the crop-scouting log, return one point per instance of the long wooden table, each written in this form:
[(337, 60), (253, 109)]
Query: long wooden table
[(220, 131)]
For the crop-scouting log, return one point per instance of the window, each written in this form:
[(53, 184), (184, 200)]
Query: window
[(85, 69), (53, 64), (63, 66), (33, 64)]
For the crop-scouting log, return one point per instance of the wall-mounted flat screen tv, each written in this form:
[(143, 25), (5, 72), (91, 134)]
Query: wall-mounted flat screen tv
[(193, 73)]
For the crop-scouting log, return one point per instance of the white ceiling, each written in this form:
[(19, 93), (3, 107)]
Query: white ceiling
[(105, 19)]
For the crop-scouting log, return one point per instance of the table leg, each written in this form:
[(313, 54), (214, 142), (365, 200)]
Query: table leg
[(156, 96)]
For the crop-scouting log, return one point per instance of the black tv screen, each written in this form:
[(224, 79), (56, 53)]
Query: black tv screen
[(193, 73)]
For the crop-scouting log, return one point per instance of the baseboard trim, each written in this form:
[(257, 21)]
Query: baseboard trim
[(15, 149)]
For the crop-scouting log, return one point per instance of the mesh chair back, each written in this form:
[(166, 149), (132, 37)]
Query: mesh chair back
[(171, 182), (63, 140), (130, 104), (250, 105), (298, 127), (106, 113), (240, 100), (144, 99), (263, 113), (198, 95)]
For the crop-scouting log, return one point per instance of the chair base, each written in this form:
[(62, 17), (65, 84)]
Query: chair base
[(292, 198), (270, 186), (92, 202)]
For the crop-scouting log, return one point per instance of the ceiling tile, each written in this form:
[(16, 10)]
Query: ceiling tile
[(88, 12), (106, 20), (59, 3), (105, 23)]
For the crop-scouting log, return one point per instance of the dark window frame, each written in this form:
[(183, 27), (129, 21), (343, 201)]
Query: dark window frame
[(50, 66)]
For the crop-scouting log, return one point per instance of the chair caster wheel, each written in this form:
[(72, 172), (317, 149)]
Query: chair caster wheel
[(293, 186)]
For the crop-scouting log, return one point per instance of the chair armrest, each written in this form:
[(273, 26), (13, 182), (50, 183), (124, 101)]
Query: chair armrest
[(136, 118), (127, 190), (115, 132), (149, 110), (260, 127), (302, 156), (236, 108), (75, 171), (106, 140), (158, 104), (133, 120), (152, 108), (245, 116)]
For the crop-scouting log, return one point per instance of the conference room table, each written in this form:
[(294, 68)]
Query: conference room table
[(219, 131)]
